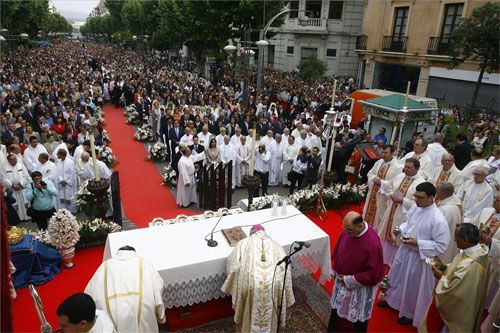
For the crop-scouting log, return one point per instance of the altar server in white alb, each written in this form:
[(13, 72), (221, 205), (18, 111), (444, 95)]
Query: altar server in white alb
[(400, 191), (186, 184), (276, 150), (447, 172), (242, 159), (425, 234), (16, 179), (66, 181), (31, 154), (228, 154), (290, 152), (250, 270), (476, 194), (385, 169), (129, 289), (453, 212)]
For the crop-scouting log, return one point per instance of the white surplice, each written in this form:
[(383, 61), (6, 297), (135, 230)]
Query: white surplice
[(411, 279), (436, 152), (468, 170), (31, 156), (228, 154), (390, 247), (475, 197), (17, 175), (249, 280), (452, 210), (46, 169), (276, 174), (129, 289), (289, 154), (453, 176), (102, 169), (425, 160), (242, 162), (65, 171)]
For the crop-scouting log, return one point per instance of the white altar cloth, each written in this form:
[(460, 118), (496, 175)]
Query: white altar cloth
[(194, 272)]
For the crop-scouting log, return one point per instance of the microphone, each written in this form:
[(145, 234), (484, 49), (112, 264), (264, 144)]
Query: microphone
[(304, 244), (211, 242)]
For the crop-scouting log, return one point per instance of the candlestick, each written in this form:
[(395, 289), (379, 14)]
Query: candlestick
[(94, 157), (252, 153), (334, 92), (332, 140), (407, 93)]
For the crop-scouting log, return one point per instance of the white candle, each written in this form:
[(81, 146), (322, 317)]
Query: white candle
[(407, 93), (252, 153), (332, 145), (94, 157), (334, 92)]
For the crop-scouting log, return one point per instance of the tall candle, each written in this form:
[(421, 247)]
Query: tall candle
[(252, 153), (334, 92), (94, 157), (407, 93), (332, 145)]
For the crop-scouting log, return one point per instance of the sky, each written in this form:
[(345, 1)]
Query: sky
[(82, 6)]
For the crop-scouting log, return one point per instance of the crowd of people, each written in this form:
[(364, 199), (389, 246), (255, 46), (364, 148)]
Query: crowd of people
[(417, 195)]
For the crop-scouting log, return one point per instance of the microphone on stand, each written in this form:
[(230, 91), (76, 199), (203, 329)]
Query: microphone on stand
[(303, 244), (211, 242)]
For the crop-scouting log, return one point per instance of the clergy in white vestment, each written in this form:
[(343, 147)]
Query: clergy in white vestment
[(436, 150), (45, 166), (84, 147), (358, 267), (31, 154), (476, 194), (81, 166), (236, 138), (228, 154), (315, 139), (242, 160), (187, 138), (102, 169), (276, 149), (399, 192), (297, 131), (453, 212), (16, 179), (490, 323), (186, 185), (130, 289), (303, 140), (78, 313), (250, 270), (285, 136), (16, 150), (62, 145), (290, 152), (420, 153), (425, 234), (447, 172), (476, 161), (267, 139), (65, 180), (204, 136), (488, 221), (385, 169), (220, 137)]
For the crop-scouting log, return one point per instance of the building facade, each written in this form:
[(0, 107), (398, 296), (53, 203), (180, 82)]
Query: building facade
[(407, 40), (328, 33)]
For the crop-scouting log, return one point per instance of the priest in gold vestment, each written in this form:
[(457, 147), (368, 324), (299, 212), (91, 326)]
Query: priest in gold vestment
[(249, 281), (459, 294)]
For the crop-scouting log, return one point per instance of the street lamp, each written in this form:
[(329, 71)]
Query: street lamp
[(24, 35), (262, 45), (2, 39)]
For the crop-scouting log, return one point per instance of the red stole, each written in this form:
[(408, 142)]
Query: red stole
[(403, 188), (371, 210), (443, 177)]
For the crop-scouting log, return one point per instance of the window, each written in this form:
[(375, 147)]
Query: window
[(308, 53), (331, 52), (313, 9), (452, 16), (335, 12), (294, 5), (289, 50), (400, 21)]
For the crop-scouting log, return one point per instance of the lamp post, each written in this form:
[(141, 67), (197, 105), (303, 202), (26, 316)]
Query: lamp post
[(262, 45)]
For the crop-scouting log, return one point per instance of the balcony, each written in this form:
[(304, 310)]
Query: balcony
[(361, 42), (304, 25), (439, 45), (394, 43), (313, 22)]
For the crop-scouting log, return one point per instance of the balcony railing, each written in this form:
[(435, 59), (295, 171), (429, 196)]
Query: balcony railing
[(394, 43), (439, 45), (361, 42), (314, 22)]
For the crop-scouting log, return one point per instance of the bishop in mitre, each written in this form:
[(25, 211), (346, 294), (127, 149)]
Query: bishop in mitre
[(129, 289), (249, 281)]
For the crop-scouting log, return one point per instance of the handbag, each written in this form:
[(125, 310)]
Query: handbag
[(350, 169), (31, 211)]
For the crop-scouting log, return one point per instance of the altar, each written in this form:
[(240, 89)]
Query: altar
[(193, 272)]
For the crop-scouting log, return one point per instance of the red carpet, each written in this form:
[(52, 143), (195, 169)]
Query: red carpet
[(143, 199), (142, 196)]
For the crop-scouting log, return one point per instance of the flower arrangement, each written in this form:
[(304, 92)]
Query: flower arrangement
[(96, 231), (169, 177), (132, 114), (87, 202), (157, 152), (98, 115), (144, 133), (107, 156), (42, 236), (63, 230), (105, 137)]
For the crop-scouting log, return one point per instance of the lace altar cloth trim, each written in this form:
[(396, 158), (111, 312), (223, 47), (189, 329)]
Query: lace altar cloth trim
[(207, 288)]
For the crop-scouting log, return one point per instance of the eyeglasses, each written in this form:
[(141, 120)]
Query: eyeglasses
[(421, 197)]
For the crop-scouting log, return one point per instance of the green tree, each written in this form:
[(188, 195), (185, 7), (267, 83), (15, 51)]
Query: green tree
[(312, 69), (477, 39), (133, 17)]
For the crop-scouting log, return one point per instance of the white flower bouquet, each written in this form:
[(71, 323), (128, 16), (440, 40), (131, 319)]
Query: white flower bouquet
[(63, 230), (169, 177), (107, 156), (96, 230), (132, 115), (87, 202), (144, 133), (157, 152), (98, 115), (105, 137)]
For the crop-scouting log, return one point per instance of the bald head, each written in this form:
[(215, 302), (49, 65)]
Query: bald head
[(353, 223), (445, 190), (480, 174), (447, 161)]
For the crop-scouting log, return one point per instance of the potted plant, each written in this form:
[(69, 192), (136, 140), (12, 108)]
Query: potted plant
[(64, 233)]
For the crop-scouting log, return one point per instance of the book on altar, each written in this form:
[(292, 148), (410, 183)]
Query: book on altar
[(234, 235)]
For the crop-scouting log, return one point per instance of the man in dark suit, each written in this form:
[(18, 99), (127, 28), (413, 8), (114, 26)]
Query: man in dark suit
[(174, 135), (10, 133), (262, 127), (197, 148), (245, 125), (461, 152), (349, 147), (29, 115)]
